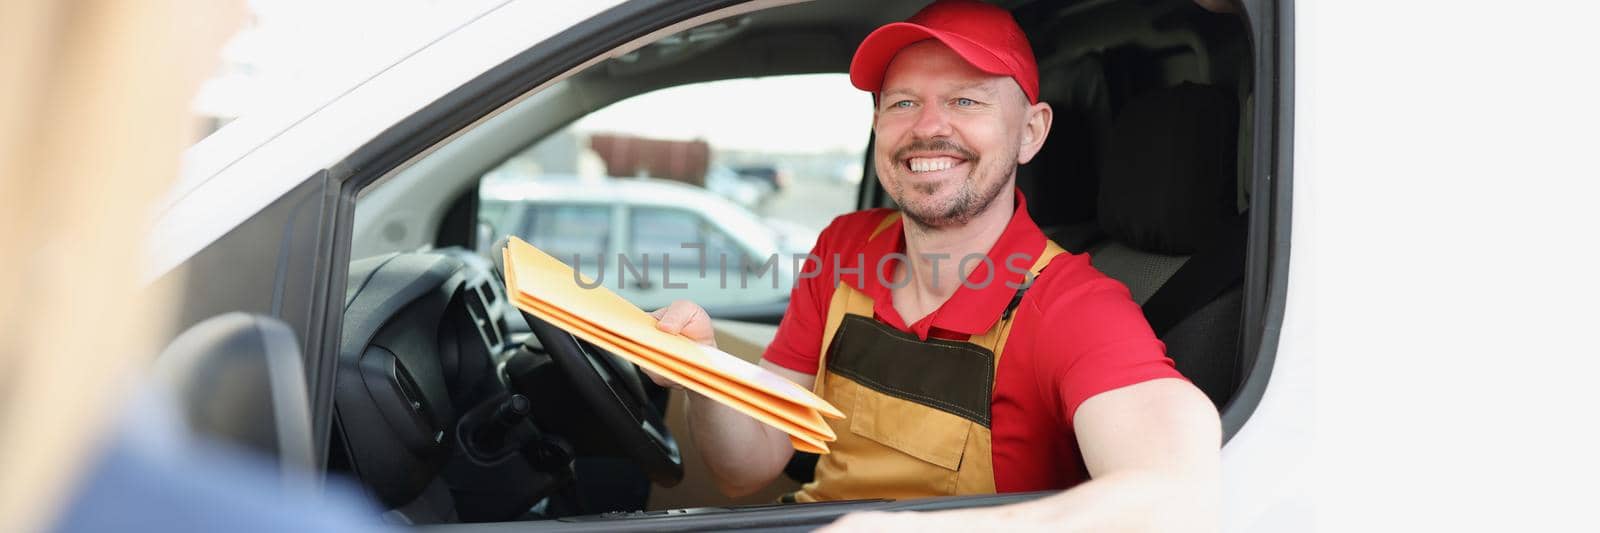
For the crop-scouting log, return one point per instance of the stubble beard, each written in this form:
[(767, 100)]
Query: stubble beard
[(969, 199)]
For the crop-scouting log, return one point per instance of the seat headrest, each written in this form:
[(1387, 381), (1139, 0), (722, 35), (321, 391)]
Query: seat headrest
[(1065, 174), (1168, 184)]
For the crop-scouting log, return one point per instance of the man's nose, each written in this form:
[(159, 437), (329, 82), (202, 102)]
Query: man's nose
[(932, 121)]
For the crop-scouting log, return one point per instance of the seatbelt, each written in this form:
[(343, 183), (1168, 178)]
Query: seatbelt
[(1202, 278)]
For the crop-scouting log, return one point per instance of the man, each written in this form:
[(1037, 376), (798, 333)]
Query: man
[(959, 372)]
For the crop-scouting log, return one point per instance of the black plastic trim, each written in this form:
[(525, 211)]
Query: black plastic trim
[(1267, 279), (803, 515), (326, 322)]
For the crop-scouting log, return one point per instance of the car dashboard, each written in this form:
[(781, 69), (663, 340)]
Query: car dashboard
[(425, 416), (451, 416)]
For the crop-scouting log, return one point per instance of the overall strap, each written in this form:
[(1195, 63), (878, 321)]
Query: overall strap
[(846, 300), (884, 224), (995, 338)]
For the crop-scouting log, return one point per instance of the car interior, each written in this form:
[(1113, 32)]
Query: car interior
[(455, 410)]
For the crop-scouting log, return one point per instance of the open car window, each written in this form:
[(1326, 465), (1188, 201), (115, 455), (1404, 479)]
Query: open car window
[(568, 230), (753, 165), (730, 172)]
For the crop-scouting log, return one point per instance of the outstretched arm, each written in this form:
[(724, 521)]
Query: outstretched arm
[(1152, 454)]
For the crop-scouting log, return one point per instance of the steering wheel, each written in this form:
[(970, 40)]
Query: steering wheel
[(615, 393), (613, 390)]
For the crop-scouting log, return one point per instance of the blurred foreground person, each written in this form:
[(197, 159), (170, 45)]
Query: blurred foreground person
[(93, 116)]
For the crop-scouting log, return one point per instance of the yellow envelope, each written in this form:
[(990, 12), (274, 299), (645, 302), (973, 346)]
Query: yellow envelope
[(747, 388), (807, 447), (800, 415), (606, 310), (798, 421)]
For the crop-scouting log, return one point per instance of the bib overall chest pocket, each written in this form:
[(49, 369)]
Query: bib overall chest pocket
[(922, 401)]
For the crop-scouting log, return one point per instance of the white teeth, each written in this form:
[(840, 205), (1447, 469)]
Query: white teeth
[(930, 164)]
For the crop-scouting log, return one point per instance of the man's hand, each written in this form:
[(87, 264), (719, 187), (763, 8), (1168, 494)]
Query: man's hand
[(685, 318), (742, 454)]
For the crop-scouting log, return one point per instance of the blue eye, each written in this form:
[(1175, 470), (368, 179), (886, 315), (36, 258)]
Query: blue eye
[(901, 104), (965, 102)]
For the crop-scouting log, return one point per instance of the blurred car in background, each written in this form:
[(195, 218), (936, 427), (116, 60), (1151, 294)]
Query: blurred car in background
[(745, 192), (644, 238), (770, 175)]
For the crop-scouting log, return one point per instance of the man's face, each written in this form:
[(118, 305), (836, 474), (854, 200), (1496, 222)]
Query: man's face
[(948, 134)]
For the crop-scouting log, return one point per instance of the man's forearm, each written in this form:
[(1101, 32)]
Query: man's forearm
[(1156, 501), (1152, 454), (742, 453), (1151, 449), (1126, 501)]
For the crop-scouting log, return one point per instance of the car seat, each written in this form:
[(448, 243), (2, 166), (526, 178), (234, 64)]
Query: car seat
[(1064, 175), (1173, 234)]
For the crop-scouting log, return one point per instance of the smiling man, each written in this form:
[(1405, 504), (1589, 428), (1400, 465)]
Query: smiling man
[(970, 354)]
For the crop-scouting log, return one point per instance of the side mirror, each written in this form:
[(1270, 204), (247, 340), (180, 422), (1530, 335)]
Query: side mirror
[(239, 378)]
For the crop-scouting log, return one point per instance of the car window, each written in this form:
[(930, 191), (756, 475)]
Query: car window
[(494, 213), (751, 185), (569, 231), (660, 235)]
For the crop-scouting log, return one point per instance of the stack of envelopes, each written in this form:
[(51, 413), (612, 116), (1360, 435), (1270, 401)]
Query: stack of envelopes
[(547, 288)]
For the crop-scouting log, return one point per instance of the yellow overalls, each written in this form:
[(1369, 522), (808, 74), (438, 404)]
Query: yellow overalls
[(916, 412)]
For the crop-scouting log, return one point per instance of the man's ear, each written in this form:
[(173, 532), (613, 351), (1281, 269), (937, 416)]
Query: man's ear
[(874, 111), (1035, 128)]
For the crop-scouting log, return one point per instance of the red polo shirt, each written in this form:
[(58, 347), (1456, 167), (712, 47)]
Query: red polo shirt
[(1077, 333)]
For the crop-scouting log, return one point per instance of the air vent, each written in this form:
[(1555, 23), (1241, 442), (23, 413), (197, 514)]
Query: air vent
[(480, 315), (489, 294)]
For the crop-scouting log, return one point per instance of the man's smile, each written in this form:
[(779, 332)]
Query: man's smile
[(936, 160), (926, 164)]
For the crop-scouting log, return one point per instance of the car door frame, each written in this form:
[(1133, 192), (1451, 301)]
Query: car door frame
[(639, 19), (313, 221)]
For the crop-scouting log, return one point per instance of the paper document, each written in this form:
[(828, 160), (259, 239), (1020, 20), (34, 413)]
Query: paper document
[(546, 288)]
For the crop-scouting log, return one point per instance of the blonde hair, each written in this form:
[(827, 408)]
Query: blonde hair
[(93, 117)]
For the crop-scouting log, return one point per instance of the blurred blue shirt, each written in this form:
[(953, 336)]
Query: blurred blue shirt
[(153, 475)]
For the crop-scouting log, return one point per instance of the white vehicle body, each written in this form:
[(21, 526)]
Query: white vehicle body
[(234, 173), (1433, 368)]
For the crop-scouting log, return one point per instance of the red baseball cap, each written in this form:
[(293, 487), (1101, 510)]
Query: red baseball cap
[(984, 35)]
